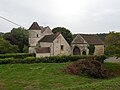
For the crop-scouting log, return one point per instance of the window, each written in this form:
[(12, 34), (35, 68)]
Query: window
[(37, 35), (62, 47)]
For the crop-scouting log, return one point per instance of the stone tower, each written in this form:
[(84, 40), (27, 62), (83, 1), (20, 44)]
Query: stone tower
[(34, 36)]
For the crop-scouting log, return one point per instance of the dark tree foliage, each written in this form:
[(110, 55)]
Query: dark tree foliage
[(102, 36), (112, 43), (18, 36), (10, 38), (6, 47), (21, 35), (91, 49), (65, 32), (1, 34)]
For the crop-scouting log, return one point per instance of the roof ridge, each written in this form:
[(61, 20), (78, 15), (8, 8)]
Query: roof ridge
[(34, 26)]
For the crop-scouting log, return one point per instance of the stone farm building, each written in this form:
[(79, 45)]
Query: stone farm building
[(43, 43)]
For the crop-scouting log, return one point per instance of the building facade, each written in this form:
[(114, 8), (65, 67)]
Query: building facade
[(43, 43), (81, 43)]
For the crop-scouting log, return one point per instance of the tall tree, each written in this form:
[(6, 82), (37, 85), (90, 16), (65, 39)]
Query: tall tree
[(1, 34), (112, 43), (10, 38), (65, 32), (18, 36), (21, 35), (6, 47)]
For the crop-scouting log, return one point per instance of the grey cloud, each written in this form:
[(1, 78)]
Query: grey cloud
[(92, 16)]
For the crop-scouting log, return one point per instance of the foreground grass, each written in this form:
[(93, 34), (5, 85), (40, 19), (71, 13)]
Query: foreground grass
[(49, 76), (112, 84)]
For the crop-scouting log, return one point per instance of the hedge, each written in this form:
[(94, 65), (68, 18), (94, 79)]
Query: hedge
[(18, 55), (52, 59)]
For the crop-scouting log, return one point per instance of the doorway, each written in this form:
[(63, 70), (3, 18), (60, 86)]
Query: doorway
[(76, 51)]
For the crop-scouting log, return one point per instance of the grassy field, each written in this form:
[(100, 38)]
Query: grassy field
[(43, 76)]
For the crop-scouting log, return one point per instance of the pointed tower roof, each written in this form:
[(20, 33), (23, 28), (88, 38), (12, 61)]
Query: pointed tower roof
[(35, 26)]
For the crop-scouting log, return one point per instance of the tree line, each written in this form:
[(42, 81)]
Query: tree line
[(15, 41)]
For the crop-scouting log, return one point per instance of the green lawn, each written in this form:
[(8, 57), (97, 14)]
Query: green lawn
[(49, 76)]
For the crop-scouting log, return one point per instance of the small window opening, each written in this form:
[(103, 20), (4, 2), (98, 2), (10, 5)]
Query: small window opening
[(62, 47), (37, 35)]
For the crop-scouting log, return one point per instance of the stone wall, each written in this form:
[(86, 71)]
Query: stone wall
[(32, 50), (47, 44), (47, 31), (34, 36), (82, 47), (99, 50), (38, 55), (61, 47)]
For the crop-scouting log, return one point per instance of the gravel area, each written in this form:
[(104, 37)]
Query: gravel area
[(113, 60)]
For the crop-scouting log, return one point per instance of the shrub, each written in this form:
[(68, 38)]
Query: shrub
[(101, 58), (90, 68), (91, 49), (8, 60), (29, 58), (18, 55), (6, 47)]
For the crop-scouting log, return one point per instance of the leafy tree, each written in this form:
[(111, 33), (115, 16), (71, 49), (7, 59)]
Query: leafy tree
[(112, 43), (25, 49), (1, 34), (6, 47), (10, 38), (18, 36), (91, 49), (102, 36), (65, 32)]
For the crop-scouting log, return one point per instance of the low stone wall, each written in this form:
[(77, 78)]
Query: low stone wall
[(99, 50), (38, 55), (113, 60)]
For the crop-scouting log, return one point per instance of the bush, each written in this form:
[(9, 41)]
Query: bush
[(90, 68), (8, 61), (17, 56), (29, 58), (91, 49), (6, 47), (101, 58)]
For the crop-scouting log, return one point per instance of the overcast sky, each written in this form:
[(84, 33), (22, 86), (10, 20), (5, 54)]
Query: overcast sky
[(79, 16)]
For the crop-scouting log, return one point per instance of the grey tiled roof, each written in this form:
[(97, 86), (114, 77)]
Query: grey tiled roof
[(48, 38), (90, 39), (35, 26), (78, 40)]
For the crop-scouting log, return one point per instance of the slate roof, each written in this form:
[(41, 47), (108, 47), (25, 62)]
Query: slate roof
[(35, 26), (91, 39), (44, 29), (43, 50), (48, 38), (77, 39)]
